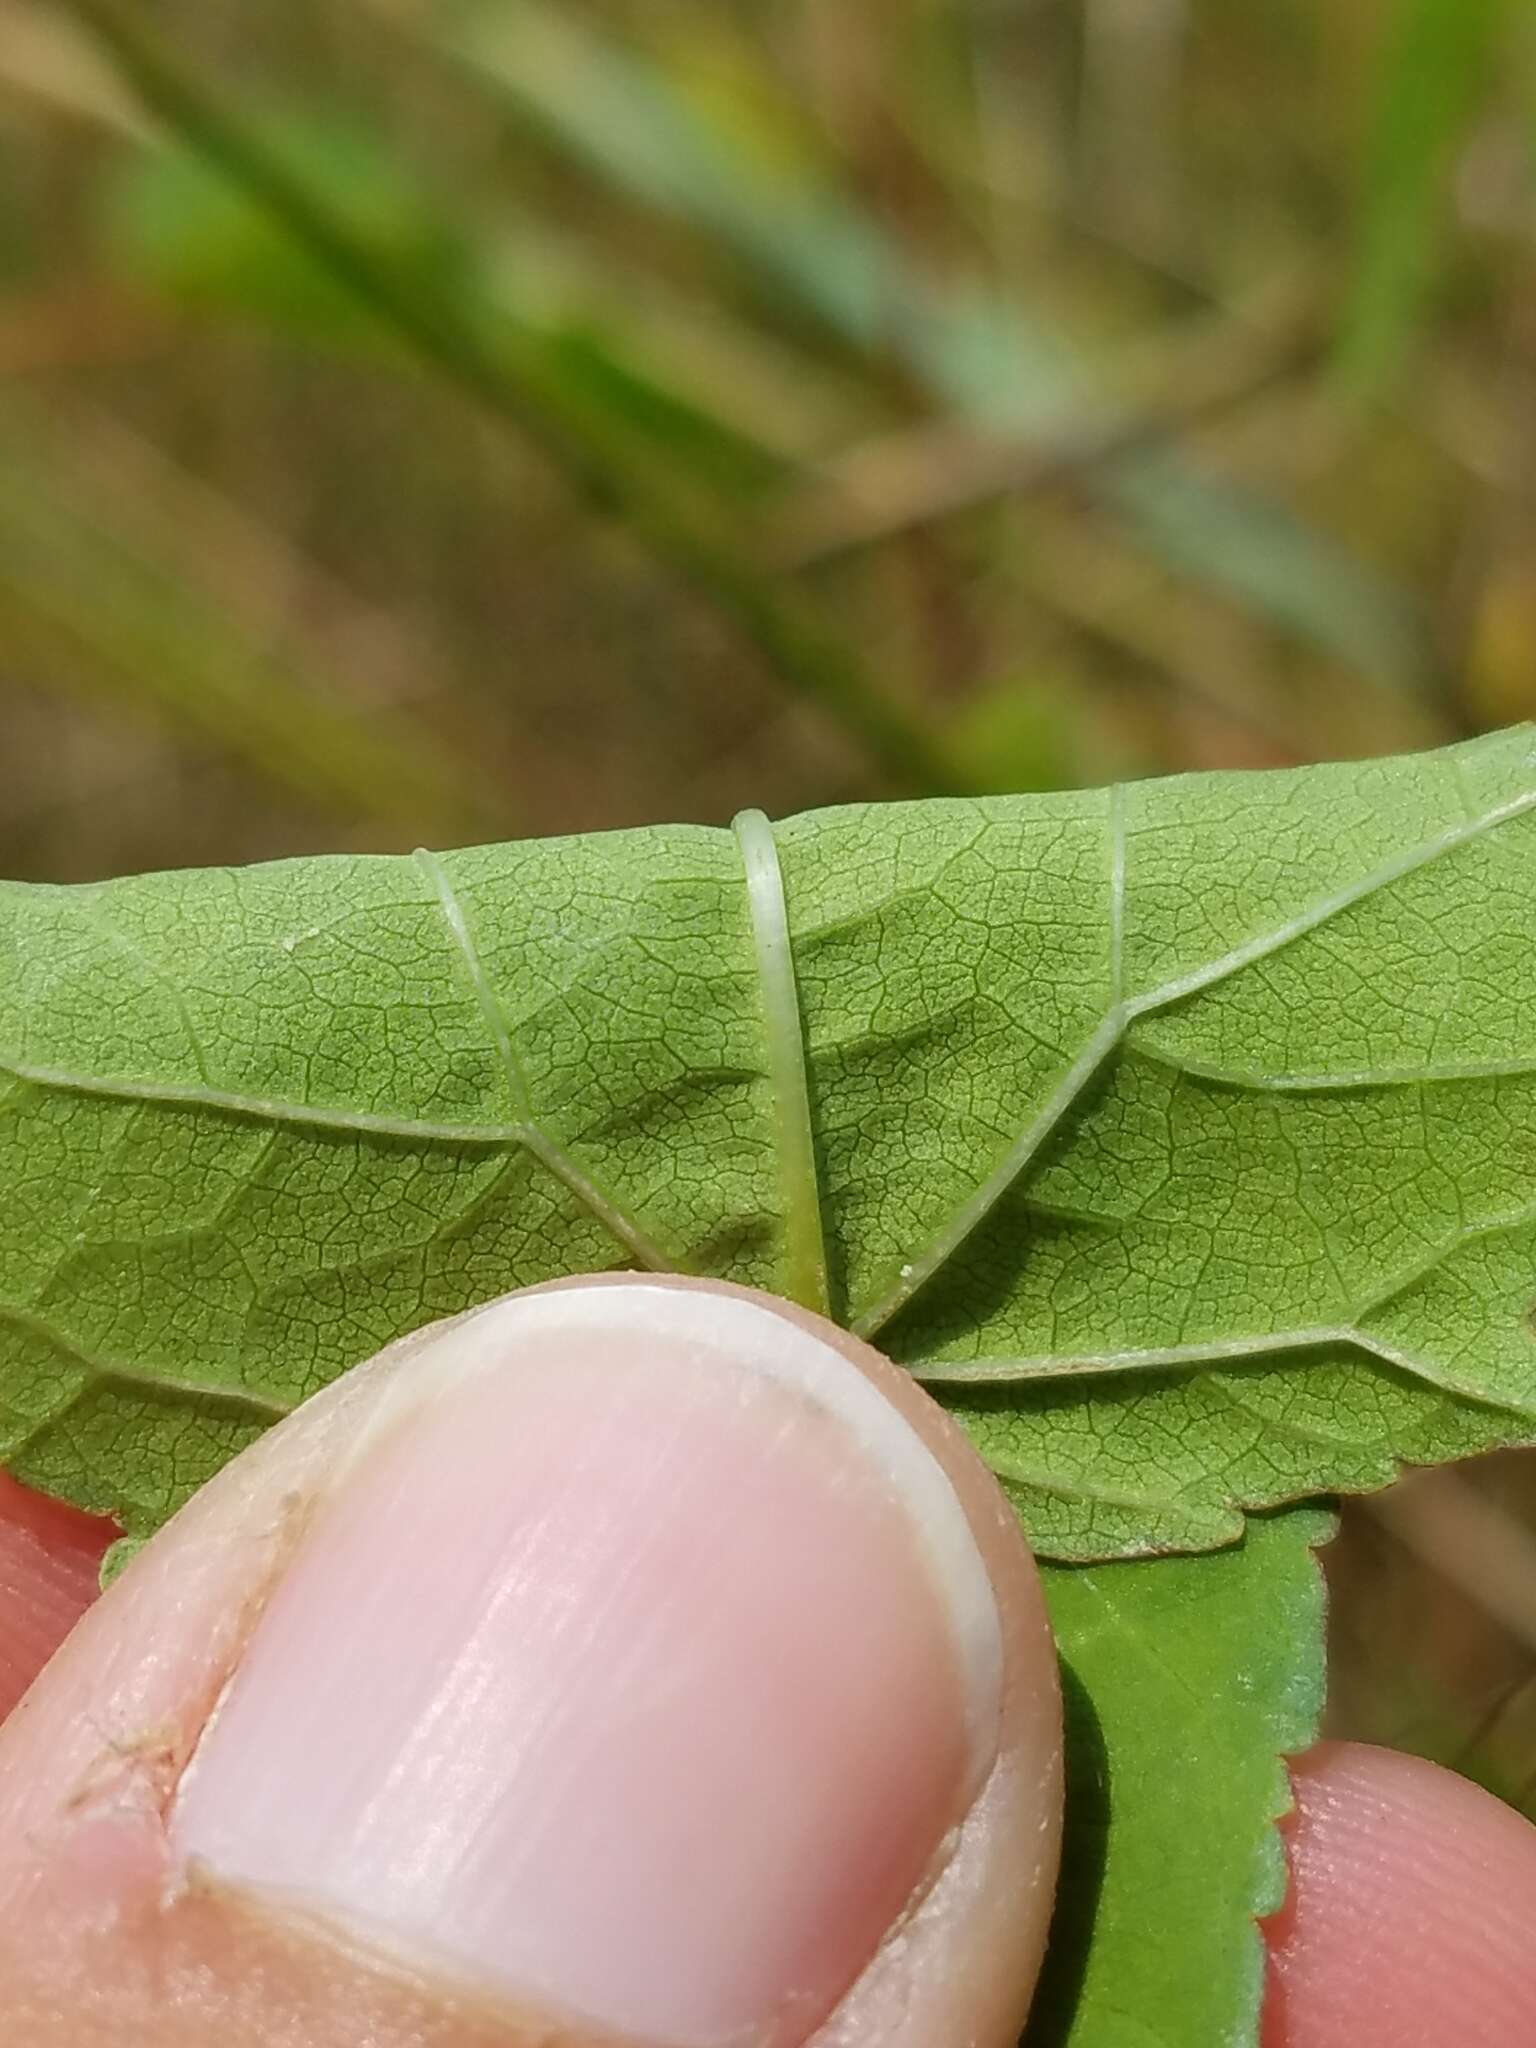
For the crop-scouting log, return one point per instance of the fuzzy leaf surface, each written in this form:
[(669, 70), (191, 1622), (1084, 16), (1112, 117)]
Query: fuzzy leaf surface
[(1180, 1135)]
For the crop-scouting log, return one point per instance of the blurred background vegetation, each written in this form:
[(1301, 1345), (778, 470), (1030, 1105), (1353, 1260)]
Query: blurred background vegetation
[(428, 420)]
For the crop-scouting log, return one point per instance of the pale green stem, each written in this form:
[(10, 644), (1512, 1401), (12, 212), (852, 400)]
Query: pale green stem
[(805, 1253)]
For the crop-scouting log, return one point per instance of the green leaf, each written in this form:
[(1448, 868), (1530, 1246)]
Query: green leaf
[(1178, 1134), (1170, 1849)]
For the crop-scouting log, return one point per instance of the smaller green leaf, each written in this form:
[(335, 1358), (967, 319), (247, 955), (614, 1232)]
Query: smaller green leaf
[(1186, 1682)]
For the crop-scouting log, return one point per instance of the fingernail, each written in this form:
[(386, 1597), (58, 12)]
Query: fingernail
[(636, 1668)]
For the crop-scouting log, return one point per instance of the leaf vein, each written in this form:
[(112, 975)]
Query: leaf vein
[(92, 913), (242, 1402), (1122, 1011), (544, 1148), (263, 1108), (805, 1252)]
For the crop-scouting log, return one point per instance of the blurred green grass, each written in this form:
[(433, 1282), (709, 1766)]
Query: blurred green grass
[(702, 401), (424, 420)]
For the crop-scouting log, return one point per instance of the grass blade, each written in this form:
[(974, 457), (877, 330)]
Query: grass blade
[(508, 371), (1438, 51)]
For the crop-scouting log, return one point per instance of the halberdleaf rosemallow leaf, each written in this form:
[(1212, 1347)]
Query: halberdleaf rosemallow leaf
[(1180, 1134), (1185, 1679)]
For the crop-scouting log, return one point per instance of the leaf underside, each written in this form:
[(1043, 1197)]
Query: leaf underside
[(1180, 1135)]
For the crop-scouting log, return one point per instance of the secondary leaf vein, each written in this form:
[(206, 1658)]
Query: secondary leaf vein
[(544, 1148), (1123, 1010), (242, 1402)]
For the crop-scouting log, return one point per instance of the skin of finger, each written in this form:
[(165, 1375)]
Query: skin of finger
[(50, 1556), (1410, 1917), (90, 1762)]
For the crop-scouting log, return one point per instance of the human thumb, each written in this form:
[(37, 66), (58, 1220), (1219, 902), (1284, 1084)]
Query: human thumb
[(630, 1661)]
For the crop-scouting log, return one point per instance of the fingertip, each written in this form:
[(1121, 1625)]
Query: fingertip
[(1411, 1908), (643, 1653)]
